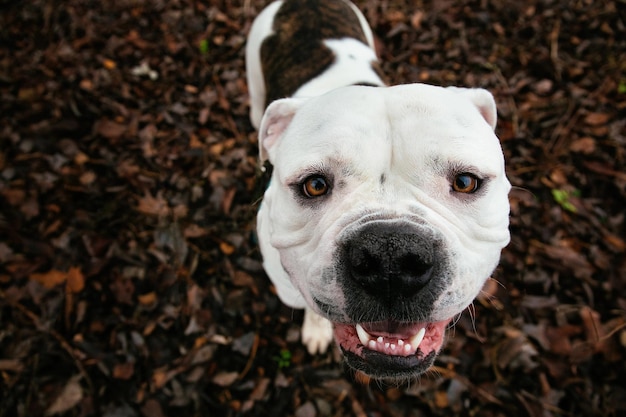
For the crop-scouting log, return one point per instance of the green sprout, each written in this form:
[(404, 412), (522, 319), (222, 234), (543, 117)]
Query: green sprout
[(562, 197), (283, 359), (203, 46)]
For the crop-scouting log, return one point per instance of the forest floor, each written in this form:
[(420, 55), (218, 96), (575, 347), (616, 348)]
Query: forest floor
[(130, 278)]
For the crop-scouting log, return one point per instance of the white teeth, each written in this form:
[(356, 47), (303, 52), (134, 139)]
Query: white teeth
[(364, 336), (417, 339), (408, 347)]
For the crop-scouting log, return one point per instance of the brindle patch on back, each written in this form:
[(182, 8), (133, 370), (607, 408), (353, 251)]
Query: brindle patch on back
[(295, 53)]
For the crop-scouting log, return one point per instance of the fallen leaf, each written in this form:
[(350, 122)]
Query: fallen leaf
[(11, 365), (13, 196), (148, 299), (75, 280), (195, 231), (49, 279), (306, 410), (124, 370), (109, 64), (152, 408), (559, 338), (87, 178), (596, 119), (260, 389), (225, 379), (153, 206), (110, 129), (227, 248), (584, 145), (69, 398)]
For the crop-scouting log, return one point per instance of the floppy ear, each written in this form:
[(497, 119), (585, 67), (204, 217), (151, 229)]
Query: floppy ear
[(483, 100), (276, 119)]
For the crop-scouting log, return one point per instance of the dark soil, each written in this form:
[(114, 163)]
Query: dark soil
[(130, 279)]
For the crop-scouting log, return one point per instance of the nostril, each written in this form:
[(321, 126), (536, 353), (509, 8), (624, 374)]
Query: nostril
[(414, 274), (412, 265), (362, 261)]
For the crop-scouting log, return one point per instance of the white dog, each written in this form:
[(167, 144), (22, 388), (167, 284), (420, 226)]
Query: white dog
[(388, 206)]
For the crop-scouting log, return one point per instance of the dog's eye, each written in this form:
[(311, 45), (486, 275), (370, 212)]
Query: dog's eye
[(465, 183), (315, 186)]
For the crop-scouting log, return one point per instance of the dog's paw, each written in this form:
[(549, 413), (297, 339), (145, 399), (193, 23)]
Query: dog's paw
[(317, 332)]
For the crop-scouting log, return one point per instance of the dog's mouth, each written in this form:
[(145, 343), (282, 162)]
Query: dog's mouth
[(389, 349)]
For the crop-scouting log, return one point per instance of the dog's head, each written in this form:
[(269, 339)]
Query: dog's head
[(387, 211)]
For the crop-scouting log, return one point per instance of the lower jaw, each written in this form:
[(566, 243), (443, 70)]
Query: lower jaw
[(389, 368)]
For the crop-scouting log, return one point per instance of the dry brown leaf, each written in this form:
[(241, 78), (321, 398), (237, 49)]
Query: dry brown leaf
[(242, 279), (306, 410), (225, 379), (596, 119), (11, 365), (203, 116), (110, 129), (594, 332), (575, 261), (124, 371), (259, 391), (559, 338), (195, 231), (180, 210), (87, 178), (227, 202), (109, 64), (615, 241), (153, 206), (227, 248), (13, 196), (159, 378), (50, 279), (194, 142), (148, 299), (75, 280), (195, 296), (152, 408), (441, 399), (584, 145), (69, 398)]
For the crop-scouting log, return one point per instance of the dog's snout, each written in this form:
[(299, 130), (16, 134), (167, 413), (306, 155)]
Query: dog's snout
[(389, 259)]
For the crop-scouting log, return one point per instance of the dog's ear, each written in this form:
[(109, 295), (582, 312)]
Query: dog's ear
[(483, 100), (276, 119)]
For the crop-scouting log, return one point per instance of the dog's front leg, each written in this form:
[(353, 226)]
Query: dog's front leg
[(317, 332)]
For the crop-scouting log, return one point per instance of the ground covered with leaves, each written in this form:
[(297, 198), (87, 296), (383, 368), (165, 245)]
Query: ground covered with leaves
[(130, 279)]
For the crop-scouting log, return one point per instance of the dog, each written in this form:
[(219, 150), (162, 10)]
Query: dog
[(387, 208)]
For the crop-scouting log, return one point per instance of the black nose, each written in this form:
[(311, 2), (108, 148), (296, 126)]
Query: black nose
[(392, 260)]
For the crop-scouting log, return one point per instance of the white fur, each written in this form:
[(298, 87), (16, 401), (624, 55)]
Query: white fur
[(409, 133), (344, 71), (261, 28), (352, 64), (317, 332)]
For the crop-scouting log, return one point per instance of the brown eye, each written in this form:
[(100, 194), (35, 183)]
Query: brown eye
[(315, 186), (465, 183)]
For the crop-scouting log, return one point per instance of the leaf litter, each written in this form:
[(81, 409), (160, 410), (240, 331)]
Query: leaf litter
[(130, 279)]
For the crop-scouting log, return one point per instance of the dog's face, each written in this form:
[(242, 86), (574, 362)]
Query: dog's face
[(387, 211)]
